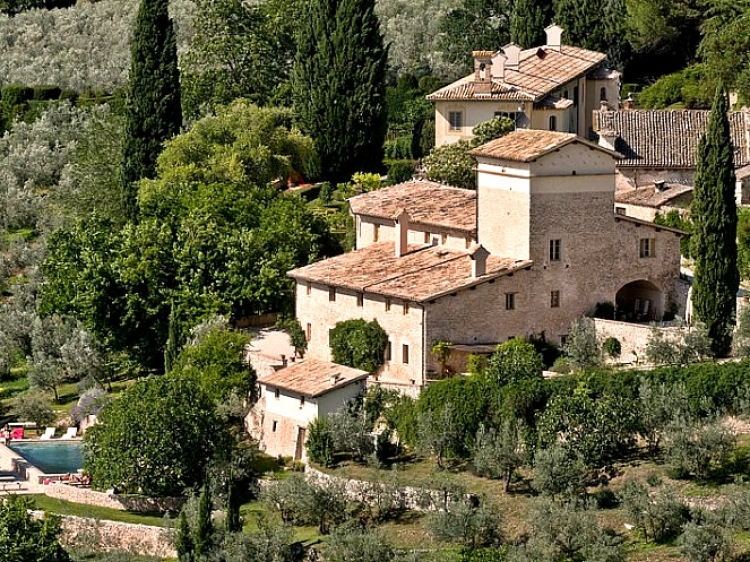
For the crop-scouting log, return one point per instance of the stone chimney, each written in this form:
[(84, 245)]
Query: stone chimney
[(628, 103), (554, 37), (512, 52), (479, 256), (482, 72), (607, 138), (402, 232)]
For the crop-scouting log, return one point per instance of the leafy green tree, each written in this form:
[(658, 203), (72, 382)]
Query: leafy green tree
[(24, 537), (319, 442), (559, 472), (352, 543), (688, 345), (153, 111), (696, 448), (714, 214), (707, 542), (674, 219), (467, 524), (659, 405), (36, 407), (183, 541), (438, 433), (351, 431), (359, 344), (497, 454), (725, 44), (203, 534), (338, 85), (658, 517), (513, 361), (741, 339), (582, 346), (527, 22), (155, 439)]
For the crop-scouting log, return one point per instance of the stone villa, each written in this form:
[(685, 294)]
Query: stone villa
[(554, 87), (537, 245)]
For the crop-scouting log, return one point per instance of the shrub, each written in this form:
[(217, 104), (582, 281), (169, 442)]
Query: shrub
[(513, 361), (466, 524), (47, 92), (319, 442), (581, 346), (34, 406), (367, 181), (498, 454), (559, 472), (16, 95), (659, 517), (706, 542), (400, 171), (562, 366), (359, 344), (606, 498), (612, 347), (348, 543), (604, 310), (695, 448)]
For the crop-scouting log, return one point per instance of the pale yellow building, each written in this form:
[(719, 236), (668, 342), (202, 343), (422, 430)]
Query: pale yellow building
[(536, 246), (553, 87)]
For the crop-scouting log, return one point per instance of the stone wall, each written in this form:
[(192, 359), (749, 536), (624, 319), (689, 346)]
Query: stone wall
[(88, 496), (108, 536), (633, 338)]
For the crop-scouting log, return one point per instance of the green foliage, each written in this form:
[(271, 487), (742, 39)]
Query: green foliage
[(605, 310), (366, 181), (559, 472), (35, 407), (359, 344), (490, 130), (527, 22), (472, 526), (513, 361), (714, 243), (215, 361), (438, 433), (153, 112), (203, 533), (612, 347), (743, 242), (348, 543), (24, 537), (695, 448), (351, 431), (16, 94), (338, 85), (441, 351), (688, 345), (451, 164), (497, 454), (688, 89), (658, 517), (675, 220), (155, 439), (581, 346), (707, 542), (183, 543), (319, 442), (400, 171), (741, 339), (297, 336), (659, 405)]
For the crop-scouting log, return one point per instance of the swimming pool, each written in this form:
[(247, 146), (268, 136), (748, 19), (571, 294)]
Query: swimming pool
[(52, 457)]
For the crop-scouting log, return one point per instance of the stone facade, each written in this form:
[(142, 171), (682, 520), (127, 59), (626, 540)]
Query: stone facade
[(88, 496)]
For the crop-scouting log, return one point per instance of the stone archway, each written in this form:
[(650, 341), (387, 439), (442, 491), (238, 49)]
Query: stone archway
[(639, 301)]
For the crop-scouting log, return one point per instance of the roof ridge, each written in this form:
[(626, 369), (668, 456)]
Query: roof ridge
[(423, 268)]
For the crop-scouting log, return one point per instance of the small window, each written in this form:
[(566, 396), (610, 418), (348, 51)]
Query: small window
[(456, 120), (405, 354), (554, 299), (308, 331), (620, 210), (360, 300), (275, 425), (376, 233), (648, 247), (553, 123), (510, 301), (426, 237), (443, 238), (309, 288), (468, 243), (603, 94), (575, 95), (276, 393), (301, 401), (554, 249), (406, 308), (389, 351), (565, 94), (387, 305), (331, 294)]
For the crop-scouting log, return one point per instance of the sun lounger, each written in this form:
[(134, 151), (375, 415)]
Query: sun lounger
[(48, 433), (70, 433)]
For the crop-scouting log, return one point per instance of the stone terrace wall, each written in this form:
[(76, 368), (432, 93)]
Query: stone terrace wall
[(88, 496), (632, 337), (109, 536)]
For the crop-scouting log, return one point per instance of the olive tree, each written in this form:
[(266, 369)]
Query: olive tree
[(498, 453)]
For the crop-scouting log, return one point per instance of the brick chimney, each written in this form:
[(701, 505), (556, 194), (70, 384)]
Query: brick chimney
[(482, 72), (479, 256), (402, 232), (512, 52), (554, 37)]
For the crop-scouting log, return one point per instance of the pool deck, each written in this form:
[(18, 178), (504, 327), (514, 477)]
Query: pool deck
[(26, 477)]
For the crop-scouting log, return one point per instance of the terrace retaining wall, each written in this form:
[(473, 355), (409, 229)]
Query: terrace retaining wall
[(88, 496)]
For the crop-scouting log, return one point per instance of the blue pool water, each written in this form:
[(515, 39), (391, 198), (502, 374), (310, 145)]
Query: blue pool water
[(52, 457)]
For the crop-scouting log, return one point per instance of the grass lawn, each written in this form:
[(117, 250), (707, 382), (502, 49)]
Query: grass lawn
[(61, 507)]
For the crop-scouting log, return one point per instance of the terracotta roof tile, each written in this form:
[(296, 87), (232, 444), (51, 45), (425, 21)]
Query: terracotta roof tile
[(626, 218), (660, 138), (540, 71), (526, 145), (423, 273), (648, 196), (313, 377), (428, 204)]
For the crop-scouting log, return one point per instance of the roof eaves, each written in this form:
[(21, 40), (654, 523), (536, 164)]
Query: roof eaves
[(520, 264), (642, 222)]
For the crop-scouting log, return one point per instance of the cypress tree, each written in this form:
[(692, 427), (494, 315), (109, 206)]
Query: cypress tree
[(338, 85), (184, 540), (233, 520), (527, 22), (153, 112), (714, 214), (203, 537)]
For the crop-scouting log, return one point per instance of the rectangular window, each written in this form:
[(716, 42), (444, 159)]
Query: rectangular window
[(510, 301), (360, 300), (426, 237), (276, 393), (332, 294), (387, 304), (308, 331), (554, 299), (456, 120), (275, 425), (406, 308), (389, 351), (554, 249), (620, 210), (648, 247), (405, 354), (301, 401), (443, 238), (309, 288), (375, 233)]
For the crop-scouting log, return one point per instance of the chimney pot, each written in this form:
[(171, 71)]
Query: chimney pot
[(479, 256)]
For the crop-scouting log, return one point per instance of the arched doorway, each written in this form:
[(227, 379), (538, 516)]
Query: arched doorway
[(639, 301)]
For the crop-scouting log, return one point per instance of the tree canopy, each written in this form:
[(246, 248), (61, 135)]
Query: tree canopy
[(24, 537), (359, 344)]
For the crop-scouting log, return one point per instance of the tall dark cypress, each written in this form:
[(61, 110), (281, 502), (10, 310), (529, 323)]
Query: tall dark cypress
[(714, 214), (528, 20), (153, 112), (338, 85)]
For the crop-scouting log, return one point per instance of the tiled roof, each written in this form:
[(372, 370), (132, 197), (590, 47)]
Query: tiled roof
[(648, 196), (661, 138), (540, 71), (428, 203), (423, 273), (553, 102), (313, 377), (526, 145), (642, 222)]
